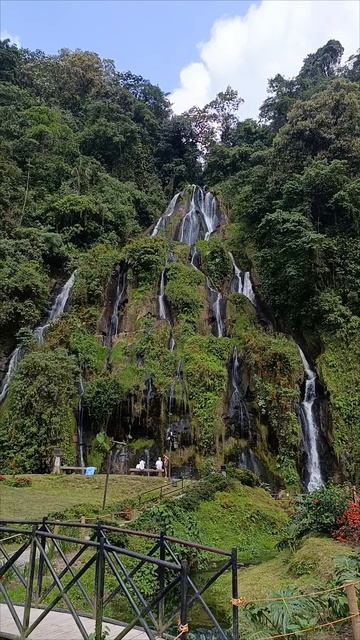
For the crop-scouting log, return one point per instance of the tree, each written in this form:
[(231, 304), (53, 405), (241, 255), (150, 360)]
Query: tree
[(9, 61), (39, 414), (217, 120)]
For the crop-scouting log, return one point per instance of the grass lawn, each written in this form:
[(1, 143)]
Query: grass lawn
[(308, 569), (50, 493)]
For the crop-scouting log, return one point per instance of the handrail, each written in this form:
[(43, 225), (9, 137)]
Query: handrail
[(130, 532), (43, 578)]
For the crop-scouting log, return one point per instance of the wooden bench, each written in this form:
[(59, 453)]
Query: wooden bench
[(146, 472), (66, 469)]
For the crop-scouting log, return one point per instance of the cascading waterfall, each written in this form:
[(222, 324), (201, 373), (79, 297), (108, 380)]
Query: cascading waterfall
[(238, 412), (201, 219), (149, 392), (242, 282), (210, 214), (310, 428), (215, 301), (80, 420), (163, 315), (248, 460), (14, 361), (55, 312), (113, 327), (57, 309), (190, 226), (194, 258), (163, 221)]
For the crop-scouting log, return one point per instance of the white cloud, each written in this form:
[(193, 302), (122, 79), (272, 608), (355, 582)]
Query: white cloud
[(273, 37), (4, 35)]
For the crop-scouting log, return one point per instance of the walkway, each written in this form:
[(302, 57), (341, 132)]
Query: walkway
[(58, 626)]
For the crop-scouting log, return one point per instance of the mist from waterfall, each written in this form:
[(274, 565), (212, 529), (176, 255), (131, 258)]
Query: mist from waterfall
[(55, 312), (310, 428)]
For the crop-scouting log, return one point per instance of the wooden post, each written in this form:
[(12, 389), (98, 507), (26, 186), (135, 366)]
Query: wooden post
[(353, 609), (183, 602), (30, 585), (83, 531), (235, 594), (161, 574), (99, 586)]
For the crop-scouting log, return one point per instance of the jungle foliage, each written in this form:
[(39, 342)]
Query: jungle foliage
[(89, 157)]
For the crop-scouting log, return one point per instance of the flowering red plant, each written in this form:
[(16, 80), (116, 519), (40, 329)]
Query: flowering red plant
[(349, 525)]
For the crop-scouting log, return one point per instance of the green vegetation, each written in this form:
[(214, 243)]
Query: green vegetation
[(57, 494), (39, 414), (89, 157)]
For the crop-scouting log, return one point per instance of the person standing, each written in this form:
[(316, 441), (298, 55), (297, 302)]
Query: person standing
[(159, 466)]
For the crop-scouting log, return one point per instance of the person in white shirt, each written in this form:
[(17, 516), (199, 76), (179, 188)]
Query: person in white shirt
[(141, 465), (159, 465)]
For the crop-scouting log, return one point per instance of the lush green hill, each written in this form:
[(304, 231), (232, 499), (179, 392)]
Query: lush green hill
[(89, 158)]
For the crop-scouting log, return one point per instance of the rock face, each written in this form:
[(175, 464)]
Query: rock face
[(186, 360), (203, 373)]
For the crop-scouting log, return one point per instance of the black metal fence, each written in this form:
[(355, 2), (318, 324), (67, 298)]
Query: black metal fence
[(55, 578)]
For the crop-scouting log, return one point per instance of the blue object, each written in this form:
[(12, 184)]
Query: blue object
[(90, 471)]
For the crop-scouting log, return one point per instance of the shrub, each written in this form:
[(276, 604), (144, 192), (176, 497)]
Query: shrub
[(349, 525), (18, 481), (247, 477), (317, 512)]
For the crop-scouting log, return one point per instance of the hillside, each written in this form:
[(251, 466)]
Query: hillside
[(216, 323)]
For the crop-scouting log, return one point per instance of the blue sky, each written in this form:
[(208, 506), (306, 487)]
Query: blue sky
[(191, 48), (152, 38)]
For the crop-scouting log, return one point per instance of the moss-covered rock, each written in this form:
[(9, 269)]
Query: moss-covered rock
[(339, 369)]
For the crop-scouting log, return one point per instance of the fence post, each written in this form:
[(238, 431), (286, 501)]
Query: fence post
[(83, 531), (161, 571), (350, 591), (29, 590), (99, 585), (235, 594), (183, 605), (41, 561)]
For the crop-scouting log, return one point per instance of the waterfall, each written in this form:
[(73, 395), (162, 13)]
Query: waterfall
[(38, 333), (247, 289), (148, 396), (209, 211), (238, 412), (178, 380), (14, 361), (242, 282), (248, 460), (172, 344), (113, 327), (310, 428), (194, 257), (162, 222), (190, 226), (57, 309), (163, 315), (215, 301), (80, 420)]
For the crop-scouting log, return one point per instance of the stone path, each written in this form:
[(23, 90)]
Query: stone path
[(58, 626)]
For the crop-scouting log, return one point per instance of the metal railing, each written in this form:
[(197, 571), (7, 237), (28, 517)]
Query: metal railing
[(164, 491), (46, 586)]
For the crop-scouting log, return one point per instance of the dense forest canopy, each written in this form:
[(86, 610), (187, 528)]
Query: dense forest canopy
[(90, 157)]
